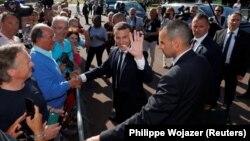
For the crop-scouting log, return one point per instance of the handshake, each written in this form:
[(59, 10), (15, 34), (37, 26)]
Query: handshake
[(75, 80)]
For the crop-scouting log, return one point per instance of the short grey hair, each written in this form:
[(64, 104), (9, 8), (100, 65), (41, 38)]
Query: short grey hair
[(60, 18), (201, 16), (8, 53), (235, 13), (178, 28)]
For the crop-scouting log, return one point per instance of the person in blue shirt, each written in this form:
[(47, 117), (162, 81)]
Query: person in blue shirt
[(46, 71)]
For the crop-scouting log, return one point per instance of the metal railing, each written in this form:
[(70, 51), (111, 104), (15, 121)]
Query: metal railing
[(79, 116)]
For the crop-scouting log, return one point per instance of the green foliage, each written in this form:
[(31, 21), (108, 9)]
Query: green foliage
[(1, 1)]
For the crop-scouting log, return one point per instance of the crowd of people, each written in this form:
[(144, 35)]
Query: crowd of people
[(49, 71)]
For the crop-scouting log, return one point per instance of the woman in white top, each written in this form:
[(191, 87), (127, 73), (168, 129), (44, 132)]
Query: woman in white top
[(237, 5)]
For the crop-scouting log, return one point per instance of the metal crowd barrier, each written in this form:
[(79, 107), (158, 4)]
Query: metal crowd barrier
[(79, 116)]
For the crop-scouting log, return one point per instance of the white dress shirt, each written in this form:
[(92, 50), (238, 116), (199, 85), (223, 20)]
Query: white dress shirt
[(231, 46), (139, 62)]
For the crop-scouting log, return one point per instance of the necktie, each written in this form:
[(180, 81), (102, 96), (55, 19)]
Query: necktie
[(119, 69), (226, 47), (193, 43)]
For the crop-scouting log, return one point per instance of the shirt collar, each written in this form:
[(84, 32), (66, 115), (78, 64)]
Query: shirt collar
[(235, 32), (42, 51), (14, 38), (199, 40), (125, 52)]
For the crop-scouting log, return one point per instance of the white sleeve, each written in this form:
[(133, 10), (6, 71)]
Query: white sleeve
[(140, 63), (83, 77)]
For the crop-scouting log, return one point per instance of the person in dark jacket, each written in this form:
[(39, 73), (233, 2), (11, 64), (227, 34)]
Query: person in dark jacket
[(235, 51), (179, 98), (128, 68), (85, 12)]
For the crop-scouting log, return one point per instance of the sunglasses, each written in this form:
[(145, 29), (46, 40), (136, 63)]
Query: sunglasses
[(218, 10)]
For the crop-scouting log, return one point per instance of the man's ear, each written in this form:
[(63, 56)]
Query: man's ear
[(11, 72), (176, 43), (37, 40)]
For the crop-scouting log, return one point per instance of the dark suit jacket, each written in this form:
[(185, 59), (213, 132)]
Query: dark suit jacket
[(211, 50), (239, 58), (179, 97), (130, 92)]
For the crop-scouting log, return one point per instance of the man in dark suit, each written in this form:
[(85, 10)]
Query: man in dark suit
[(179, 97), (129, 69), (85, 12), (205, 46), (235, 53)]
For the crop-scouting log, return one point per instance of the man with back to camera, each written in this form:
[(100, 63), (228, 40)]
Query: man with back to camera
[(128, 68), (179, 98)]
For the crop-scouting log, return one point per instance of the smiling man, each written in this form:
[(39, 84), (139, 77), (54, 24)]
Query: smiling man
[(129, 69)]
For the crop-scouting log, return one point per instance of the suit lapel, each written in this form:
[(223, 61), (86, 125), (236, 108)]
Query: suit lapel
[(115, 62), (202, 45), (237, 37), (221, 38), (224, 35), (199, 48)]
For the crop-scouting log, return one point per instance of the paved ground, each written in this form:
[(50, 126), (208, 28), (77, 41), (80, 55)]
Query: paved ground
[(97, 97)]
